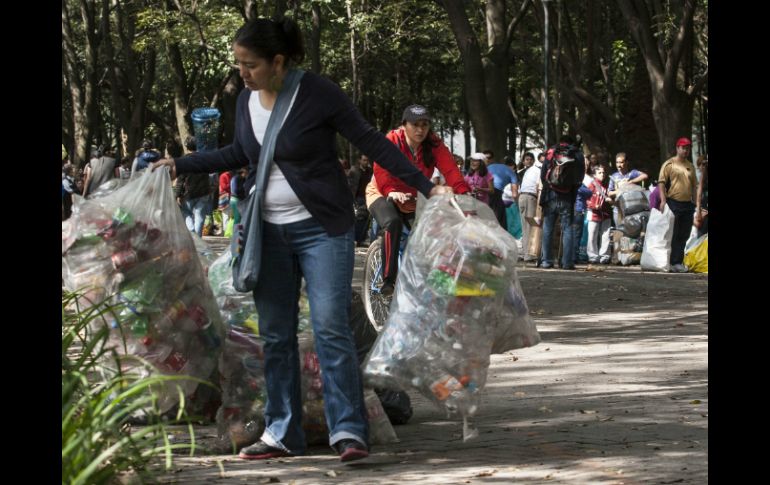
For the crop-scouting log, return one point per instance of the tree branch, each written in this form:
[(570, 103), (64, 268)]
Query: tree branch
[(515, 23), (695, 89), (222, 86), (638, 20), (677, 50)]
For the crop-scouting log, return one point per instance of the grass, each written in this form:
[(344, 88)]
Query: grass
[(99, 398)]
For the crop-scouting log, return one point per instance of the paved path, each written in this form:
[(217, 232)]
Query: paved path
[(617, 393)]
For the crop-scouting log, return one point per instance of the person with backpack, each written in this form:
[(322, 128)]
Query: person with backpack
[(561, 175)]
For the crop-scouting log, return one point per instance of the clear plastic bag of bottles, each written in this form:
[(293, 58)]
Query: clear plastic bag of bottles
[(132, 245), (457, 290), (240, 419)]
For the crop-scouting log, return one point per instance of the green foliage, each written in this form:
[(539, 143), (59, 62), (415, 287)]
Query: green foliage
[(98, 444), (406, 53)]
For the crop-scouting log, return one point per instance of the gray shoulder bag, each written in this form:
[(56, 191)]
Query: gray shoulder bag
[(246, 244)]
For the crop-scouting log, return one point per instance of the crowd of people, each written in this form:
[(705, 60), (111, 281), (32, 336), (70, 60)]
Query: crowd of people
[(208, 202), (313, 208), (514, 192)]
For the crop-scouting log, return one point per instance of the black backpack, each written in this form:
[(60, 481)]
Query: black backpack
[(562, 168)]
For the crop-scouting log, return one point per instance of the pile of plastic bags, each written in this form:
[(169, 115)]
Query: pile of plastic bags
[(240, 419), (634, 208), (132, 245), (457, 299)]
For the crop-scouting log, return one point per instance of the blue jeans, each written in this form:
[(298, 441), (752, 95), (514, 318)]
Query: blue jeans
[(195, 212), (565, 210), (289, 252), (578, 220)]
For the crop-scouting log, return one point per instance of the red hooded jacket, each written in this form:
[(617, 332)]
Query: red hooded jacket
[(387, 183)]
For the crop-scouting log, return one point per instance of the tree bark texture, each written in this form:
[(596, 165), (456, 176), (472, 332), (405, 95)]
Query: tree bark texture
[(669, 66)]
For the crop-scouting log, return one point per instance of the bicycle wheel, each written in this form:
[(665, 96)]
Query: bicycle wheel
[(377, 306)]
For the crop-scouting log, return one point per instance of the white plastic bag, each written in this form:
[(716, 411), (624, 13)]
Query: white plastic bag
[(657, 240)]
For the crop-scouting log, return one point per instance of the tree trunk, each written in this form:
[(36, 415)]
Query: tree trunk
[(466, 134), (354, 71), (479, 109), (233, 86), (638, 136), (496, 74), (181, 95), (82, 89), (667, 68), (315, 39)]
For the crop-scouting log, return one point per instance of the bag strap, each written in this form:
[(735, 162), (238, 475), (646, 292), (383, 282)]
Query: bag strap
[(277, 117)]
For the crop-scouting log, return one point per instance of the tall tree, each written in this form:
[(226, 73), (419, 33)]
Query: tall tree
[(663, 31), (178, 72), (486, 74), (81, 74)]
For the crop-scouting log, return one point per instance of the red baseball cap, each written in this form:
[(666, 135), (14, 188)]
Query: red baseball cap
[(683, 142)]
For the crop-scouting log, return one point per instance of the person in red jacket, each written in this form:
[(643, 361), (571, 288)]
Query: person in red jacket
[(224, 198), (391, 201)]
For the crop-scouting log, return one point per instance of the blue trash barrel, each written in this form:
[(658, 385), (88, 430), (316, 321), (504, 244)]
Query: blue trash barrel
[(206, 128)]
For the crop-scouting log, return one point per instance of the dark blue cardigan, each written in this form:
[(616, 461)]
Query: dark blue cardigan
[(306, 151)]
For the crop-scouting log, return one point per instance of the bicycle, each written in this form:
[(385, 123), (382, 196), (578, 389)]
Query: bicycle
[(376, 304)]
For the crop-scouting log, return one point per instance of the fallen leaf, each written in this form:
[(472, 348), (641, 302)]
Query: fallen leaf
[(544, 409), (331, 473), (486, 474), (519, 394), (695, 401)]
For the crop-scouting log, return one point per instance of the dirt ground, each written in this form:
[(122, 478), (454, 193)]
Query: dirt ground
[(616, 392)]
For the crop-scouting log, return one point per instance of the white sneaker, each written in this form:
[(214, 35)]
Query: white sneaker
[(679, 268)]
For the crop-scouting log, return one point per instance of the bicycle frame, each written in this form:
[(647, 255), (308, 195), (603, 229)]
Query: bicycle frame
[(401, 248)]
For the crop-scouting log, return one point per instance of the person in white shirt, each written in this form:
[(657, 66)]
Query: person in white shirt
[(528, 200)]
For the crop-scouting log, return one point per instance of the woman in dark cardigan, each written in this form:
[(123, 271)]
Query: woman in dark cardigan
[(307, 232)]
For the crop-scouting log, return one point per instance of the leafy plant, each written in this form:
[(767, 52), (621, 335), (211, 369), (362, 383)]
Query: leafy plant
[(99, 398)]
